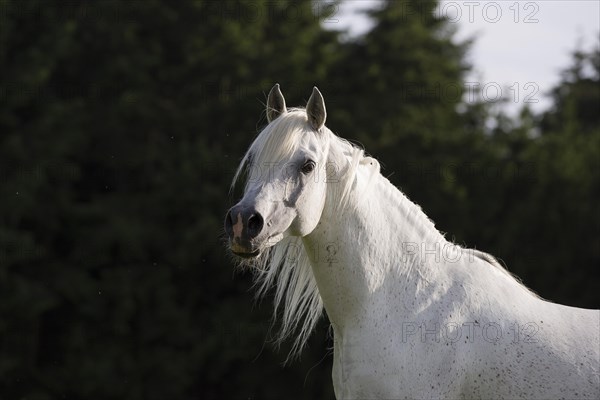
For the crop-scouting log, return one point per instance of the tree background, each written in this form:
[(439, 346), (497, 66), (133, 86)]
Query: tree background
[(121, 124)]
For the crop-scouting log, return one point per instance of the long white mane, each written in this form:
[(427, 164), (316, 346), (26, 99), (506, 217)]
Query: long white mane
[(286, 265)]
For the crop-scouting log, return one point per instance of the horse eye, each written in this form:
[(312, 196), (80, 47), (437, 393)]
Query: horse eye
[(308, 167)]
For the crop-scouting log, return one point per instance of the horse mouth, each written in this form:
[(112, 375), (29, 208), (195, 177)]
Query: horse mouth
[(252, 254), (246, 250)]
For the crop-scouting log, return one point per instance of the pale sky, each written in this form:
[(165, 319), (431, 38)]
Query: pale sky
[(520, 46)]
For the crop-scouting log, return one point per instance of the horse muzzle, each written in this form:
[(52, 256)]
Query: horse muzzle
[(243, 225)]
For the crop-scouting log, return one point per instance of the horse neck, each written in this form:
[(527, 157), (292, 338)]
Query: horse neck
[(372, 250)]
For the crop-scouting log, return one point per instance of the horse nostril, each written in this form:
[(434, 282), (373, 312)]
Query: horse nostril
[(255, 225), (228, 224)]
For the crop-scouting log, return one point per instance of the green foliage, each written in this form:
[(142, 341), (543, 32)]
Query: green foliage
[(555, 199), (121, 124)]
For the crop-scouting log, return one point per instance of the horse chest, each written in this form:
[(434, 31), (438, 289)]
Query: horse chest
[(387, 368)]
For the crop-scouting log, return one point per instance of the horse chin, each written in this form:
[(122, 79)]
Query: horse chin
[(247, 255), (245, 251)]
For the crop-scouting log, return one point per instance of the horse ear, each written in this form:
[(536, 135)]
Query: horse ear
[(275, 103), (315, 110)]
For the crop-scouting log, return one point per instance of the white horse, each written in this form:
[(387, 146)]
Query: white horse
[(413, 315)]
